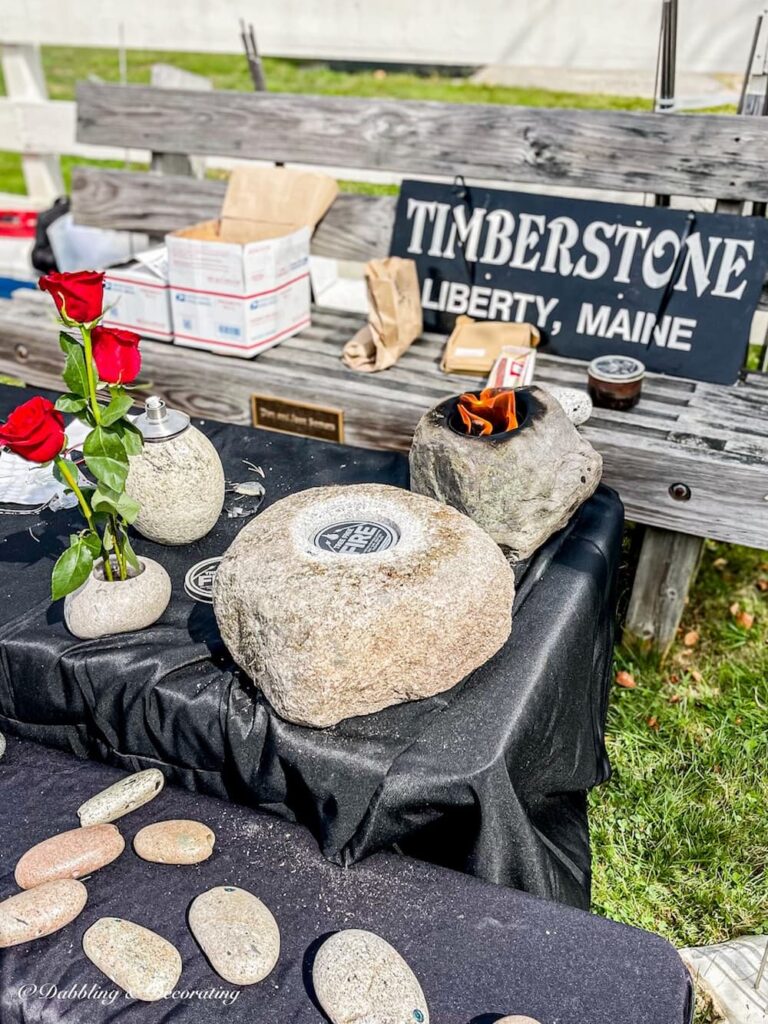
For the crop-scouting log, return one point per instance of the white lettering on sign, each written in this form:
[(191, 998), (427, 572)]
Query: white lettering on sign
[(614, 252), (482, 301), (636, 326)]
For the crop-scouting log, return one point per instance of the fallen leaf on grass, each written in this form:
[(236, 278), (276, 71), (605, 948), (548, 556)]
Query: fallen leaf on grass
[(720, 563), (653, 723), (691, 638), (675, 698), (762, 585), (626, 680), (735, 608), (697, 677), (746, 620)]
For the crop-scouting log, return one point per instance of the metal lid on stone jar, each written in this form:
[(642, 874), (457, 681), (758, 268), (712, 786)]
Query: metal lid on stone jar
[(616, 369), (158, 422)]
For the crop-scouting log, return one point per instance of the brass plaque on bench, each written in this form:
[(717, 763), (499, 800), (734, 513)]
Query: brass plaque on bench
[(324, 423)]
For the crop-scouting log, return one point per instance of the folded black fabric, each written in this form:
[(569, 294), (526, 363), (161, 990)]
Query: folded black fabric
[(489, 778), (480, 951)]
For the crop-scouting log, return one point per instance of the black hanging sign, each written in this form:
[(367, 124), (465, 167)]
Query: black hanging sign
[(676, 289)]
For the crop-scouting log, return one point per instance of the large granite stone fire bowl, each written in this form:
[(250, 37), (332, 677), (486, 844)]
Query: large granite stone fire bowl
[(340, 601), (520, 486)]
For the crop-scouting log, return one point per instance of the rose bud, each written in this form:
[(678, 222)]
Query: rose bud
[(116, 354), (34, 430), (78, 296)]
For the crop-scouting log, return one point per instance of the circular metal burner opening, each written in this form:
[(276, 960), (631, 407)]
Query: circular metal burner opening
[(357, 536)]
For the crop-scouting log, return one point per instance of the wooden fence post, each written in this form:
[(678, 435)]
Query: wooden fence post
[(25, 83), (665, 571)]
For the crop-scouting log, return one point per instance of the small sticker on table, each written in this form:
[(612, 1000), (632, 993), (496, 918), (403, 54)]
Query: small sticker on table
[(198, 583)]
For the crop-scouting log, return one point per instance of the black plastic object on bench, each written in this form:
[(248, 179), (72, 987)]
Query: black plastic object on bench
[(479, 950), (489, 778)]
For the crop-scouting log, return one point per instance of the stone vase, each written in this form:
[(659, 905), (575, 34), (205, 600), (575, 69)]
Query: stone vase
[(520, 486), (100, 607), (179, 484)]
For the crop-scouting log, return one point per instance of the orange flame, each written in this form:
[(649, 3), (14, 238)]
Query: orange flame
[(490, 412)]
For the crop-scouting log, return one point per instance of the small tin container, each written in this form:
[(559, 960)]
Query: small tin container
[(615, 382)]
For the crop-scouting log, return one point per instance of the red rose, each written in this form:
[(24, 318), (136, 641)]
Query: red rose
[(116, 354), (79, 296), (35, 430)]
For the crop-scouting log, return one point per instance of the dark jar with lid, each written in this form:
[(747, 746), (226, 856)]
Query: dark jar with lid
[(615, 382)]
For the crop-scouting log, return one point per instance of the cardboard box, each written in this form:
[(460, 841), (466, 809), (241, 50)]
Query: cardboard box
[(138, 298), (475, 345), (240, 284)]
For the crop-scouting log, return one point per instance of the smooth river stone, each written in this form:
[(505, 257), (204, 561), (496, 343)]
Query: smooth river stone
[(141, 962), (360, 979), (177, 841), (122, 798), (236, 932), (40, 911), (517, 1019), (72, 854)]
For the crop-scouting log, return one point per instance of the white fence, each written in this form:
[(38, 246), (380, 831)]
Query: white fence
[(574, 34), (586, 34)]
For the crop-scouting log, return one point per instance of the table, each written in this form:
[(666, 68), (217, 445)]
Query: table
[(488, 778), (479, 950)]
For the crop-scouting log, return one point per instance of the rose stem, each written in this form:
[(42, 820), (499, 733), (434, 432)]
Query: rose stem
[(72, 482), (95, 407)]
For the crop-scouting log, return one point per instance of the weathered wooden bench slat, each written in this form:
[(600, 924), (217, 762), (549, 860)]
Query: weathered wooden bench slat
[(705, 155), (357, 227), (725, 466)]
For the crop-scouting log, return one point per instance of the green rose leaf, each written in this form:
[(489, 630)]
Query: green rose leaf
[(117, 408), (71, 569), (58, 473), (105, 457), (71, 403), (130, 554), (74, 373), (93, 543), (131, 436), (66, 341), (106, 500)]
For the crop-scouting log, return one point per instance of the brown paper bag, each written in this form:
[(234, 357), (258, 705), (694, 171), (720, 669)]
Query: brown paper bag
[(394, 317), (475, 345)]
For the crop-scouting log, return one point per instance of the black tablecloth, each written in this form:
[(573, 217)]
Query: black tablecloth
[(479, 950), (489, 778)]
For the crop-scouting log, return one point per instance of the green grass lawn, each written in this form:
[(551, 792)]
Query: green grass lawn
[(680, 834)]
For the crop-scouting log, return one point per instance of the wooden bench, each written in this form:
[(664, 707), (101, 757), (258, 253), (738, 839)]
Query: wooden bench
[(691, 461)]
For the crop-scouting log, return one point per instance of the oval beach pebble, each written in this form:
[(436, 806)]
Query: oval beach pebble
[(236, 932), (358, 976), (141, 962), (177, 841), (122, 798), (72, 854), (516, 1019), (40, 911)]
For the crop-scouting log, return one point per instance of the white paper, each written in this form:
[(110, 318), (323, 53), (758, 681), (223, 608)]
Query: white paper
[(26, 483)]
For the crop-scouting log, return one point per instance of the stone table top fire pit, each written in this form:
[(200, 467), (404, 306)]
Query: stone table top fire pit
[(340, 601), (510, 460)]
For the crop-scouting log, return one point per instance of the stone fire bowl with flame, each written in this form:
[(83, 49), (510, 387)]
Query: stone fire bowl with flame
[(520, 485), (341, 601)]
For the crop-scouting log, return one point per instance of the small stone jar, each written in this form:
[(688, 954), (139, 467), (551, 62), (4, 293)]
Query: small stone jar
[(101, 607), (177, 478)]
